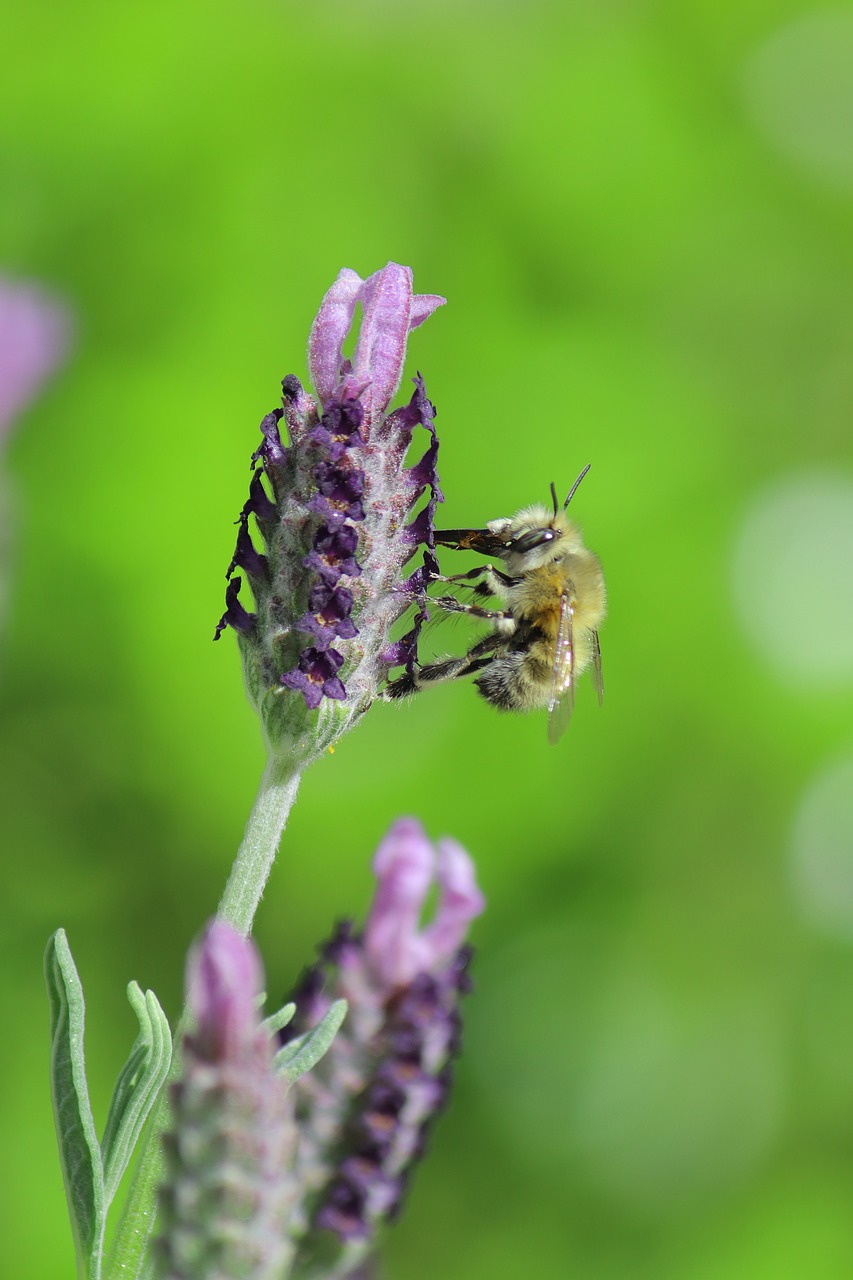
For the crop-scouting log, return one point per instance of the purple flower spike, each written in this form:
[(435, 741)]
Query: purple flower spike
[(224, 980), (333, 507), (227, 1198), (33, 341), (387, 1074)]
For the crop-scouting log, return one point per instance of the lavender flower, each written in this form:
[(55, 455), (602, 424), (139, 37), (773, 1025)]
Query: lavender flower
[(332, 509), (33, 339), (364, 1112), (228, 1194)]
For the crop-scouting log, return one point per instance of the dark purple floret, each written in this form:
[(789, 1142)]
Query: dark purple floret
[(308, 990), (424, 473), (258, 504), (328, 615), (419, 412), (340, 493), (404, 652), (339, 429), (315, 677), (420, 529), (235, 615), (343, 1212), (385, 1097), (333, 555), (416, 584), (292, 390), (331, 604), (247, 557), (271, 449)]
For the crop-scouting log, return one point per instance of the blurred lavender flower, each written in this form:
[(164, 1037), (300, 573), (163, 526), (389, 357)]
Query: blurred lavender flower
[(33, 340), (229, 1188), (364, 1111), (334, 521)]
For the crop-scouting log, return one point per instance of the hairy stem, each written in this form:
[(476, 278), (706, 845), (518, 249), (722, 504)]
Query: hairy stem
[(129, 1256), (256, 854)]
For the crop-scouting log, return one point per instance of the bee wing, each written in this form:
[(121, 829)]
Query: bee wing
[(561, 700), (595, 673)]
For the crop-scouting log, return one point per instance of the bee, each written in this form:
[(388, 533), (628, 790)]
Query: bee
[(546, 632)]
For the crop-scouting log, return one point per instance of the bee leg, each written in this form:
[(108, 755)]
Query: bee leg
[(494, 579), (451, 605), (477, 657), (481, 571)]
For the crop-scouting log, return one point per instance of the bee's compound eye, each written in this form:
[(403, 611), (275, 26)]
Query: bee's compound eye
[(531, 539)]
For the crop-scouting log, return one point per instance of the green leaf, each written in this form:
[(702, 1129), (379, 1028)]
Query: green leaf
[(300, 1055), (276, 1021), (79, 1153), (137, 1087)]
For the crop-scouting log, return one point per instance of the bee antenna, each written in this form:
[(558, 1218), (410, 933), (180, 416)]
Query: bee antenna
[(574, 488), (554, 497)]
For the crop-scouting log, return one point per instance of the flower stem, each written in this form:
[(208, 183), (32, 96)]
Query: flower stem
[(129, 1257), (256, 854)]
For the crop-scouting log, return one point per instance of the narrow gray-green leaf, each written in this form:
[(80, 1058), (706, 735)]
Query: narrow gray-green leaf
[(300, 1055), (79, 1153), (137, 1087), (276, 1021)]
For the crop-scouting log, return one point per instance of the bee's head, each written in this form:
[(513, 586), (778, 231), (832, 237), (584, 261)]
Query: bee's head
[(530, 539), (537, 535)]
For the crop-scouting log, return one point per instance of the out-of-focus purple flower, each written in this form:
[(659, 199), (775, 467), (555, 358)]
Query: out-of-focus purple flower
[(387, 1074), (335, 519), (224, 982), (33, 340), (229, 1191), (406, 867)]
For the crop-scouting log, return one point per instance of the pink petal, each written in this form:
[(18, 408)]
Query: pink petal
[(404, 866), (423, 305), (329, 330), (381, 347), (460, 902)]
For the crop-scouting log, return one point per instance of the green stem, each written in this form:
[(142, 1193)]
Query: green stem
[(129, 1256), (256, 854)]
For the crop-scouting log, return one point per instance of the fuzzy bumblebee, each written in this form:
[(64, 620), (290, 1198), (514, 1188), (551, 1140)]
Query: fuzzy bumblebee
[(545, 634)]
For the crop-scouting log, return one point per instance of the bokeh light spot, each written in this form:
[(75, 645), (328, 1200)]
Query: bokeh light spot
[(599, 1070), (822, 851), (792, 579), (799, 88)]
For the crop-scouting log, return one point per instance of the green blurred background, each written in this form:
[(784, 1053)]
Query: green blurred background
[(641, 216)]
